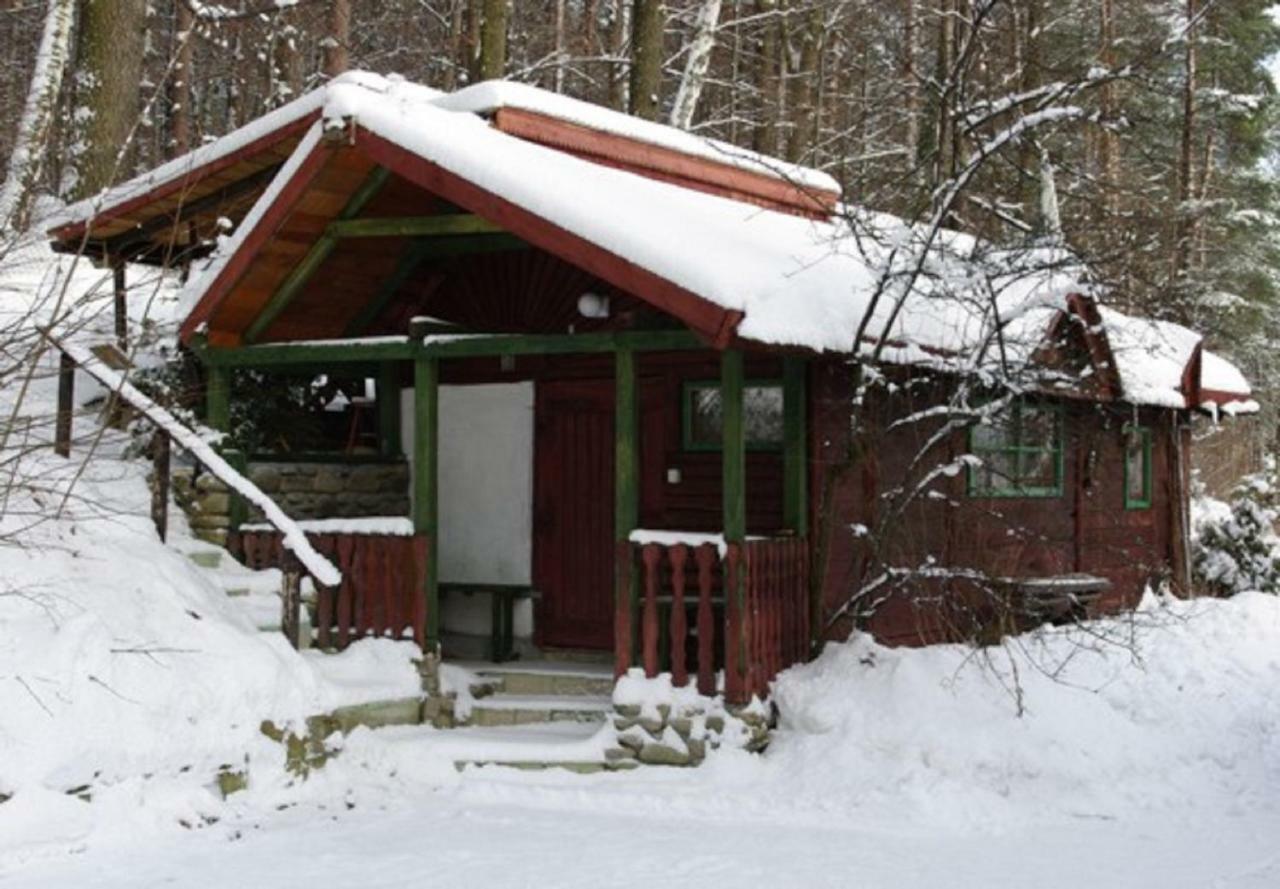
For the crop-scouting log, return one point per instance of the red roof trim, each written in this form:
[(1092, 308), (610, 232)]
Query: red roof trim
[(76, 230), (267, 226)]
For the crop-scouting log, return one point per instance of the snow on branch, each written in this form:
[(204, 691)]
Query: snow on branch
[(295, 540)]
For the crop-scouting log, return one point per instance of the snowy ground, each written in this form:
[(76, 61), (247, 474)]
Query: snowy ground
[(1137, 752)]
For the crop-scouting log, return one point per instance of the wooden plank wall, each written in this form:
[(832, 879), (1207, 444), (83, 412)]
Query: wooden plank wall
[(1086, 529), (694, 504)]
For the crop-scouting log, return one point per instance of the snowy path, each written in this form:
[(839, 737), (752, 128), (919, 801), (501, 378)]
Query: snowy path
[(496, 834)]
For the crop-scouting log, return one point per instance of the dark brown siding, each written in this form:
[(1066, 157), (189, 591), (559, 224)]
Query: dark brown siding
[(1086, 529)]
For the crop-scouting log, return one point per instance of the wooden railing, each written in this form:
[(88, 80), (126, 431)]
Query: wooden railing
[(685, 623), (382, 592)]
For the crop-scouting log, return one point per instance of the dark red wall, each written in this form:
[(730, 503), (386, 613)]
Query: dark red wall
[(1085, 530), (694, 504)]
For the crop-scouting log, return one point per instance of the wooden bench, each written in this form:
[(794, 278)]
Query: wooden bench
[(503, 598), (1058, 596)]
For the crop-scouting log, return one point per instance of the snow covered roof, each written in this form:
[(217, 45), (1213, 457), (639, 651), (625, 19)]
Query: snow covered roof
[(1164, 364), (856, 282)]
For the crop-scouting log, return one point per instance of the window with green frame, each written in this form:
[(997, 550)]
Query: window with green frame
[(703, 421), (1137, 467), (1020, 451)]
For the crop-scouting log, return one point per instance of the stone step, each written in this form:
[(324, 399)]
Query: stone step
[(549, 679), (207, 558), (518, 709)]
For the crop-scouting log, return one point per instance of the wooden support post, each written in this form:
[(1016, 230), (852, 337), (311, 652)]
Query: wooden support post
[(218, 399), (160, 458), (626, 503), (733, 476), (291, 600), (389, 408), (734, 452), (121, 304), (426, 442), (795, 483), (218, 418), (66, 406)]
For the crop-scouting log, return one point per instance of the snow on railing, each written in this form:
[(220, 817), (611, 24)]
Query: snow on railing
[(295, 540)]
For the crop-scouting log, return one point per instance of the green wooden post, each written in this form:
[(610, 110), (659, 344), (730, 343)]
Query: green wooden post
[(389, 408), (732, 383), (218, 417), (218, 399), (626, 496), (795, 493), (426, 442)]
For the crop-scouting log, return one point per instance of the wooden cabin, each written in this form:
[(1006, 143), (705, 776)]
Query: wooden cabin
[(622, 364)]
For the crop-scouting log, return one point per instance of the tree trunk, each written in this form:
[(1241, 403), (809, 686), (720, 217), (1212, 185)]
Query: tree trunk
[(457, 42), (108, 79), (647, 26), (562, 55), (618, 67), (804, 86), (286, 61), (910, 84), (695, 68), (1185, 228), (33, 127), (337, 50), (493, 40), (180, 92)]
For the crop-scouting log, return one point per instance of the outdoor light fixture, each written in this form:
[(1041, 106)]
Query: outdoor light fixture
[(593, 305)]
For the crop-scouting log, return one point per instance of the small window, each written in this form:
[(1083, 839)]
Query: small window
[(704, 416), (1021, 453), (1137, 467)]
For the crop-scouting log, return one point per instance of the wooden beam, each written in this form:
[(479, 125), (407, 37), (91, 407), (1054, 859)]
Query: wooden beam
[(399, 348), (298, 277), (566, 344), (412, 226), (311, 353), (734, 451), (389, 408), (424, 250), (795, 484), (626, 501), (426, 443)]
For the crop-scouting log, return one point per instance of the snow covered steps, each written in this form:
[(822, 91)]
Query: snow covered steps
[(544, 692)]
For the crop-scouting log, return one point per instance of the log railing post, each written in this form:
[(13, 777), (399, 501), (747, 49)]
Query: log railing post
[(66, 405), (706, 557), (679, 555), (651, 556), (291, 600), (160, 462)]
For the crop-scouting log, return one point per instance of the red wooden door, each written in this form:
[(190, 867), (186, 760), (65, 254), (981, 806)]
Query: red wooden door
[(573, 513)]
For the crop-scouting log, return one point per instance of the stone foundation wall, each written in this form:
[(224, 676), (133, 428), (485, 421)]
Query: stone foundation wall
[(303, 490), (335, 490)]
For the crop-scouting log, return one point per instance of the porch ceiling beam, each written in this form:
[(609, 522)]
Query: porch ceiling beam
[(293, 283), (319, 353), (421, 251), (566, 344), (312, 354), (412, 226)]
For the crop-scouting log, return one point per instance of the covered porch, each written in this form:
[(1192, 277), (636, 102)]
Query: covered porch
[(637, 542)]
